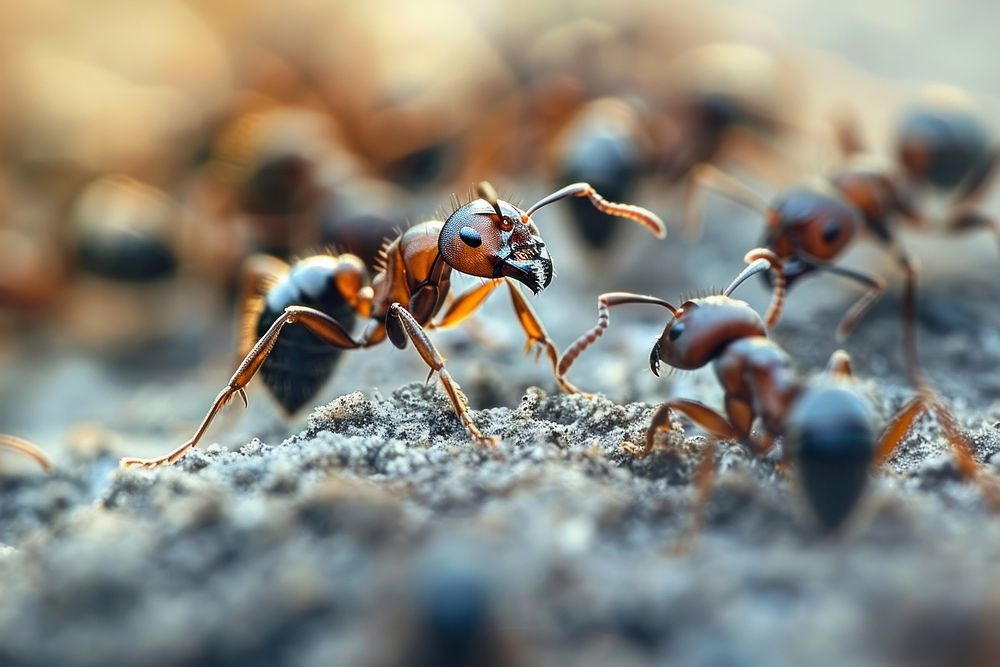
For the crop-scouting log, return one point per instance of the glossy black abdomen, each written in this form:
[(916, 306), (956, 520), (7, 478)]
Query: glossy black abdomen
[(608, 159), (301, 363), (831, 433)]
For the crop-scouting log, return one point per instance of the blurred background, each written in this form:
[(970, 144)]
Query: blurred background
[(147, 149)]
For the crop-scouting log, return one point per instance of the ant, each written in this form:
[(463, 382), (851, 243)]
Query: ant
[(488, 237), (811, 225), (28, 449), (827, 425), (604, 144), (719, 105)]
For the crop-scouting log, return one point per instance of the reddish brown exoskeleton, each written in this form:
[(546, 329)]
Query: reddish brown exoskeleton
[(809, 227), (488, 237), (828, 428)]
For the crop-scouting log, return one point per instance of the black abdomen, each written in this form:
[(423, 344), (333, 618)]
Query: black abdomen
[(831, 433), (301, 363)]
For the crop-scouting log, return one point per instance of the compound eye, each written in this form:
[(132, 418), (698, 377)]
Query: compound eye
[(676, 331), (470, 237), (506, 224), (831, 231)]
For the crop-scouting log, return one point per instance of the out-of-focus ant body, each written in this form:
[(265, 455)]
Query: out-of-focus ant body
[(487, 237), (28, 449), (828, 428), (605, 145), (719, 105), (727, 101), (809, 227)]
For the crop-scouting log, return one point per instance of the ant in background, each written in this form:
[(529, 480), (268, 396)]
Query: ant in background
[(809, 227), (828, 427), (488, 237), (719, 103), (28, 449)]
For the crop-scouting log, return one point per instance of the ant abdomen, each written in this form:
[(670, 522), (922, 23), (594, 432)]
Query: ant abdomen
[(943, 147), (300, 362), (831, 434), (603, 148)]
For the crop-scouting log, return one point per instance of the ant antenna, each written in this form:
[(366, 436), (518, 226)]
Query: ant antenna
[(486, 191), (757, 267), (778, 292), (604, 303), (644, 217)]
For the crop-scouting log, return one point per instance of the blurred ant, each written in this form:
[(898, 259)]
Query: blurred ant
[(828, 427), (28, 449), (810, 226), (720, 103), (487, 237), (606, 145), (727, 100)]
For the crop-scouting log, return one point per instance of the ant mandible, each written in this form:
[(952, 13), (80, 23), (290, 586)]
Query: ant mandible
[(828, 427), (488, 237), (28, 449)]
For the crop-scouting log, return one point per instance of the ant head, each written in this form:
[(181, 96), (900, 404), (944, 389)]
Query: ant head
[(491, 238), (810, 223), (701, 328)]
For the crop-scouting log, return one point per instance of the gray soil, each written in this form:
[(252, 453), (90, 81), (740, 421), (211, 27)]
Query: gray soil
[(374, 533), (378, 535)]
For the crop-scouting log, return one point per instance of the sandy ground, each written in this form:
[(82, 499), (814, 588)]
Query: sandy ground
[(371, 532)]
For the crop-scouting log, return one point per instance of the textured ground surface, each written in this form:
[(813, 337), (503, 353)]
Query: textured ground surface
[(378, 535), (373, 533)]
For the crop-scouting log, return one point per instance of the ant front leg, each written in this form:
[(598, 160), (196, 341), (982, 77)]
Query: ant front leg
[(875, 285), (538, 336), (28, 449), (716, 424), (321, 325), (433, 358)]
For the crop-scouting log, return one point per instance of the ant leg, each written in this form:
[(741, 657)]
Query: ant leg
[(875, 285), (704, 482), (706, 176), (702, 415), (323, 326), (969, 219), (604, 303), (28, 449), (433, 358), (965, 462), (963, 449), (537, 336), (464, 305)]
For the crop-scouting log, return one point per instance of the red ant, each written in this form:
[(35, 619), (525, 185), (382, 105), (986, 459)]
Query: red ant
[(28, 449), (810, 226), (827, 426), (488, 237)]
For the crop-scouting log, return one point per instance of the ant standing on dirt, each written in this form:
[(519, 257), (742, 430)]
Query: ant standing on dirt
[(828, 428), (809, 227), (488, 237)]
